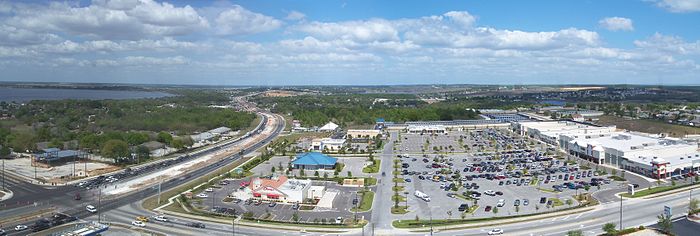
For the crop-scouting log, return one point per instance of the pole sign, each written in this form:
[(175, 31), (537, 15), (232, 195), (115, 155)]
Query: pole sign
[(667, 211), (630, 189)]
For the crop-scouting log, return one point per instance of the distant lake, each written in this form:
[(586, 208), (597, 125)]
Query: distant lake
[(28, 94), (553, 102)]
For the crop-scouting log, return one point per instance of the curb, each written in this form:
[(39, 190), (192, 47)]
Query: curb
[(8, 194)]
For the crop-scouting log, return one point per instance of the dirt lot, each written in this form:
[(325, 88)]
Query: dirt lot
[(648, 126)]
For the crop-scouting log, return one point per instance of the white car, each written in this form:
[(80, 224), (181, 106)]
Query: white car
[(339, 220), (160, 218), (202, 195), (138, 223), (91, 209), (209, 190), (490, 192), (20, 227), (501, 203), (496, 232)]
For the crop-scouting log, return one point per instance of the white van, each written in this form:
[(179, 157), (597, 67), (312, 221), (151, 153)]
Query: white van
[(422, 195), (91, 209)]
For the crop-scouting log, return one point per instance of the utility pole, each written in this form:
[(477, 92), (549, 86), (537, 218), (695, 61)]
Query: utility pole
[(354, 203), (3, 174), (620, 212), (233, 223), (99, 204), (431, 225)]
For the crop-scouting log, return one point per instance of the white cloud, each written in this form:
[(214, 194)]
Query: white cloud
[(295, 15), (669, 44), (361, 31), (616, 24), (679, 5), (462, 18), (106, 19), (238, 20)]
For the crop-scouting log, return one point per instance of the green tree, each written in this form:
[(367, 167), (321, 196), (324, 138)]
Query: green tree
[(693, 205), (178, 144), (143, 153), (23, 142), (164, 137), (665, 223), (349, 173), (115, 149), (495, 210), (5, 151), (574, 233), (610, 228)]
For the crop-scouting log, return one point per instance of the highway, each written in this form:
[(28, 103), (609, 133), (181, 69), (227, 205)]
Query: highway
[(62, 197)]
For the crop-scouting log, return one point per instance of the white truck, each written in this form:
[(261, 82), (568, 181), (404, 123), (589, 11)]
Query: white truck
[(422, 195)]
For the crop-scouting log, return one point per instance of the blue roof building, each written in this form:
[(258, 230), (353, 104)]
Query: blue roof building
[(53, 154), (314, 161)]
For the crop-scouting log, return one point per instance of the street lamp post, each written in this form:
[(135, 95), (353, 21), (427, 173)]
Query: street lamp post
[(620, 212), (354, 203)]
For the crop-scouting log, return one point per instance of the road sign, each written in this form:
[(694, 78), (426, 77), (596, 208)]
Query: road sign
[(667, 211), (630, 189)]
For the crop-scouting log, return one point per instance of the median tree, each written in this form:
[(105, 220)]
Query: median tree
[(665, 223), (574, 233), (693, 206), (610, 228)]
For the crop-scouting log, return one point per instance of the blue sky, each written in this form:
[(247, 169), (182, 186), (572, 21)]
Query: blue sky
[(351, 42)]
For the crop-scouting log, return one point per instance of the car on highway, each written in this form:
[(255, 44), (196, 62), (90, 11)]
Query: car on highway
[(138, 223), (142, 218), (91, 209), (496, 232), (161, 218), (20, 227), (196, 225)]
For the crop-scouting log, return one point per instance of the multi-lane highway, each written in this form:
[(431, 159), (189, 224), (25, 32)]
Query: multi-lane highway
[(62, 198)]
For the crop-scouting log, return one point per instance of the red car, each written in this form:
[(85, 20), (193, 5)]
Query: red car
[(487, 209)]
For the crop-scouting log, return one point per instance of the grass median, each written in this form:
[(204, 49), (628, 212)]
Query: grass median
[(373, 168), (366, 202), (660, 189)]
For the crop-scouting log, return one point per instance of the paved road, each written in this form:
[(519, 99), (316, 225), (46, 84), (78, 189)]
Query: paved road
[(62, 197), (381, 208)]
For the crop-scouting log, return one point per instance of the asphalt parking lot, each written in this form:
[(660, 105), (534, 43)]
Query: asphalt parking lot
[(517, 169), (342, 204)]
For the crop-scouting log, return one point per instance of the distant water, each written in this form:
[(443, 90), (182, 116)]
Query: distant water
[(28, 94), (553, 102)]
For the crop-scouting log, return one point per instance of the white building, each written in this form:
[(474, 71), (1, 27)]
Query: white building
[(637, 152), (328, 144), (329, 127), (427, 129), (283, 190)]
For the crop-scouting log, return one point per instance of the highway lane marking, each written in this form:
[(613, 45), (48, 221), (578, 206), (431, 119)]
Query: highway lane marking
[(579, 215)]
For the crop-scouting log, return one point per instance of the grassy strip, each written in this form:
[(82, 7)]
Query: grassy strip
[(308, 229), (399, 210), (373, 168), (547, 190), (366, 202), (398, 180), (446, 222), (650, 191), (397, 188), (617, 178)]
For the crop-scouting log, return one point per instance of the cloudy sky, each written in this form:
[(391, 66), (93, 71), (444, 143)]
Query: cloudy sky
[(286, 42)]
